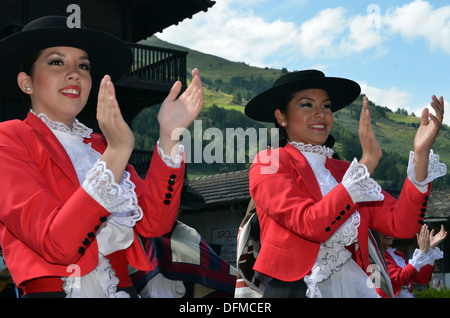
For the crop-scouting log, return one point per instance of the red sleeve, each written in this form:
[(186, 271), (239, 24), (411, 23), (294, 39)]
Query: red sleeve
[(159, 196), (424, 275), (400, 218), (399, 276)]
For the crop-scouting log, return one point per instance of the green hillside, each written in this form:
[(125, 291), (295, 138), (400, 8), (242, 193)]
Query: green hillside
[(213, 67), (229, 84)]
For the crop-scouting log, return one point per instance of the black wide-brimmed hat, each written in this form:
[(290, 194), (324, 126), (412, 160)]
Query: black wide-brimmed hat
[(342, 92), (107, 53)]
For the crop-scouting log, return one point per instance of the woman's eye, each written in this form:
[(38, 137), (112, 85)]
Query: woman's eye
[(85, 67), (306, 105), (55, 62), (327, 106)]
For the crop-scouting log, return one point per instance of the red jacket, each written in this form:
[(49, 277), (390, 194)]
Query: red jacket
[(46, 216), (406, 275), (295, 219)]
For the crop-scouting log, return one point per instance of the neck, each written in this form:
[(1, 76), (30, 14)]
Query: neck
[(66, 121)]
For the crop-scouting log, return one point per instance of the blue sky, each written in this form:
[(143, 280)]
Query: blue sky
[(398, 51)]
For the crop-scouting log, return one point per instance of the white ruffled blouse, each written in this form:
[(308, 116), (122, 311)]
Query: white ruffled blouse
[(335, 274), (119, 199)]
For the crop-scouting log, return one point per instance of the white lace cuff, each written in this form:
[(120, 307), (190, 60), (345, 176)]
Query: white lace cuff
[(436, 169), (421, 259), (119, 199), (168, 159), (359, 184), (434, 254)]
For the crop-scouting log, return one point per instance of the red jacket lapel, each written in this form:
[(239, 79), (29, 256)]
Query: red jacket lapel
[(53, 146)]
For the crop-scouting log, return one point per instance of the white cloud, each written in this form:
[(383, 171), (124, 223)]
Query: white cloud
[(393, 97), (419, 20), (237, 36), (231, 30), (333, 34)]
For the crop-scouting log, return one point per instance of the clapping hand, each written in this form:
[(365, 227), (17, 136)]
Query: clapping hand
[(423, 239), (176, 114), (371, 148), (119, 137), (427, 239), (426, 135), (435, 240)]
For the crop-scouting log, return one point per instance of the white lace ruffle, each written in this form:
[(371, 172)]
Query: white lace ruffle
[(119, 199), (176, 163), (436, 169), (332, 256), (320, 150), (359, 184), (397, 258), (77, 129), (102, 282), (421, 259)]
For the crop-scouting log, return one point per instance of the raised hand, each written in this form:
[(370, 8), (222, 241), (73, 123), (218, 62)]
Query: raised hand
[(176, 114), (435, 240), (118, 134), (426, 135), (423, 239), (370, 147)]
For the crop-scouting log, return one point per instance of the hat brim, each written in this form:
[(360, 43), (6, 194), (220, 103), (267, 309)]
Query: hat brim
[(342, 92), (107, 53)]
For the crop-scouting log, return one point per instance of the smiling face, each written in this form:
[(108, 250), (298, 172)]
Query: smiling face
[(60, 83), (308, 117), (386, 240)]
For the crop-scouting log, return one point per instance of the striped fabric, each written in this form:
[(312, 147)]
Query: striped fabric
[(183, 255), (248, 284)]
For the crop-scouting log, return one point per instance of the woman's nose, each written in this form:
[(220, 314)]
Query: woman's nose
[(319, 112), (73, 74)]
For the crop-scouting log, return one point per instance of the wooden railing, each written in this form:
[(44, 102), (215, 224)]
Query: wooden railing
[(157, 64), (140, 159)]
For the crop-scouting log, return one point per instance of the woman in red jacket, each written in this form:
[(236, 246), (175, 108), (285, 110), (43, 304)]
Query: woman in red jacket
[(71, 205), (419, 268), (315, 212)]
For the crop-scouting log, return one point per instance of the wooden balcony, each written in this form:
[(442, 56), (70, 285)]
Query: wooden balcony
[(155, 68), (152, 75)]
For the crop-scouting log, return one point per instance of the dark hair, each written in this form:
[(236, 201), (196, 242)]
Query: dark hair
[(283, 106), (27, 66)]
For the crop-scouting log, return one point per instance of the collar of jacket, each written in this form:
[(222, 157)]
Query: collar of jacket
[(53, 147), (305, 172)]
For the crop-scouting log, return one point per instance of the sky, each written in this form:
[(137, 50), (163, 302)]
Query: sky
[(398, 51)]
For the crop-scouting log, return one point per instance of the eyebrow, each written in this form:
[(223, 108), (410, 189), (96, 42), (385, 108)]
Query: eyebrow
[(82, 57), (312, 99)]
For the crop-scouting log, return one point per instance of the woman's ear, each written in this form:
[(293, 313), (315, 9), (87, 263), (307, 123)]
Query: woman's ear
[(280, 117), (24, 82)]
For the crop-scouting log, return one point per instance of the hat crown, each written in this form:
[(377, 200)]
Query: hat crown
[(47, 22), (298, 76)]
